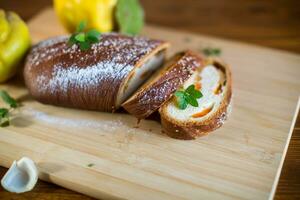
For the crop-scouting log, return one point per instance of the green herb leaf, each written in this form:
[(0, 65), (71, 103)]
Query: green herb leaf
[(8, 99), (84, 40), (3, 112), (188, 96), (192, 91), (197, 94), (84, 46), (181, 101), (129, 16), (93, 35), (179, 93), (81, 26), (182, 104), (80, 37), (4, 122), (212, 51), (90, 164), (192, 100), (72, 40)]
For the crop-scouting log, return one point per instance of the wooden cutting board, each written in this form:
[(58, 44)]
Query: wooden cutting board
[(105, 156)]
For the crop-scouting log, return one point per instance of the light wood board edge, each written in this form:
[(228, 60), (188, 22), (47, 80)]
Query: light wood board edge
[(277, 176)]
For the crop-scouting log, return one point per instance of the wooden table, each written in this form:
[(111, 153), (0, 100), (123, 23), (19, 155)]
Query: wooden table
[(269, 23)]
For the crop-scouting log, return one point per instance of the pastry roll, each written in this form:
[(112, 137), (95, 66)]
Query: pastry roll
[(100, 78)]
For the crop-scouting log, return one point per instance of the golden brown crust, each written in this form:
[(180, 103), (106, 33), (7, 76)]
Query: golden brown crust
[(192, 130), (152, 95), (58, 74)]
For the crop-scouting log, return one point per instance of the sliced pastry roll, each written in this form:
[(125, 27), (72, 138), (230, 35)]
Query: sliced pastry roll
[(214, 81), (161, 86)]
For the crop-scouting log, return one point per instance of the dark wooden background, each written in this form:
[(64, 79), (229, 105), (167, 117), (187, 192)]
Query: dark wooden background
[(271, 23)]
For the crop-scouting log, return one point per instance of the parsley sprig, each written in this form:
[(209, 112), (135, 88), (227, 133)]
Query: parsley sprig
[(84, 39), (187, 96), (5, 112), (211, 51)]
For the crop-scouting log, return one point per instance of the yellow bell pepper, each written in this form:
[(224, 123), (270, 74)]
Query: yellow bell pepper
[(14, 43), (97, 13)]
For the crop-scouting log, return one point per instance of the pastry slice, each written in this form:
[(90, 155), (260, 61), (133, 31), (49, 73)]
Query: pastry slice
[(100, 78), (161, 86), (214, 82)]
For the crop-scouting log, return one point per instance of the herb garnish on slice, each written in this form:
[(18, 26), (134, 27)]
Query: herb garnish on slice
[(84, 39), (212, 51), (129, 16), (5, 112), (187, 96)]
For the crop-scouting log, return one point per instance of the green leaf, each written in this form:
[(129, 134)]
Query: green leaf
[(192, 100), (4, 117), (72, 40), (93, 36), (84, 40), (197, 94), (80, 37), (81, 26), (90, 164), (182, 103), (8, 99), (190, 89), (181, 100), (179, 93), (3, 112), (212, 51), (217, 51), (188, 96), (4, 122), (84, 46), (92, 40), (129, 16)]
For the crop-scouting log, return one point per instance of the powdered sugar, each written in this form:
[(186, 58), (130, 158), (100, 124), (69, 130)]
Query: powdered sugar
[(107, 126), (189, 60), (64, 79), (35, 56)]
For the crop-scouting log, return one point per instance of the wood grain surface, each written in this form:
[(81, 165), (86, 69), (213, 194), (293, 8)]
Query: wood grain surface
[(270, 23)]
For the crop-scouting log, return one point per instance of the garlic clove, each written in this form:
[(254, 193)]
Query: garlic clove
[(21, 176)]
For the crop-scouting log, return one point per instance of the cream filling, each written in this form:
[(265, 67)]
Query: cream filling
[(141, 74), (210, 78)]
